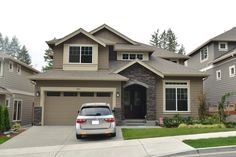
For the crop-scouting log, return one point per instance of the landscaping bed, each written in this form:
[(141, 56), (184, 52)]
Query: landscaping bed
[(211, 142), (4, 138), (161, 132)]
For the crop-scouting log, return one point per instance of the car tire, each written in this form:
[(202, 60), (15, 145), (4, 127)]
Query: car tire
[(113, 135), (78, 136)]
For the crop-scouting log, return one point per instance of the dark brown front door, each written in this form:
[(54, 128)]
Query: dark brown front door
[(135, 102)]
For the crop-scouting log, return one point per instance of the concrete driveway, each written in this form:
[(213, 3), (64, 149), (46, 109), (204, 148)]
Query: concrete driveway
[(37, 136)]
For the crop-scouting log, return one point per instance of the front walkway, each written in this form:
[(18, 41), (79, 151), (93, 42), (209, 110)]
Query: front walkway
[(138, 148)]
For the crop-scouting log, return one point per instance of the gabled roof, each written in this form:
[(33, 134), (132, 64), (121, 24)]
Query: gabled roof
[(141, 63), (114, 31), (159, 66), (229, 35), (168, 55), (61, 40), (6, 56), (138, 47), (229, 54)]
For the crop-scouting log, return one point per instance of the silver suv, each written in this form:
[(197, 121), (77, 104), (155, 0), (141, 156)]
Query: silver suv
[(94, 119)]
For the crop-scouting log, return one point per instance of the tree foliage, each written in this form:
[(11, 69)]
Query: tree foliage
[(48, 60), (24, 56), (166, 40), (13, 48)]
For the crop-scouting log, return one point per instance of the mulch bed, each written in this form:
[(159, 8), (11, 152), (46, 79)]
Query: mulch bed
[(13, 134)]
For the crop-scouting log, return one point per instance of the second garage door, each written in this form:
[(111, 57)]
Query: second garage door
[(61, 108)]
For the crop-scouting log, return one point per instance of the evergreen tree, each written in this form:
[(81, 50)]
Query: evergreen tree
[(5, 45), (48, 59), (6, 119), (1, 42), (1, 120), (14, 47), (163, 40), (181, 50), (172, 43), (155, 41), (24, 56)]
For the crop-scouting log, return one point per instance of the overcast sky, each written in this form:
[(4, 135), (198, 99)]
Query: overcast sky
[(193, 21)]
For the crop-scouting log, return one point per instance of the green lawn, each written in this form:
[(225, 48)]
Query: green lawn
[(161, 132), (4, 139), (212, 142)]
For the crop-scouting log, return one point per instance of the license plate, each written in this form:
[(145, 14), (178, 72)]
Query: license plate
[(95, 122)]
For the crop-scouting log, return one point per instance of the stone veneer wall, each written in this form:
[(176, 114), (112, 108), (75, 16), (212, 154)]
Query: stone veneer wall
[(139, 73)]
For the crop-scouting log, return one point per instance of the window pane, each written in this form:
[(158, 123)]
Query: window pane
[(86, 54), (53, 93), (125, 56), (70, 94), (19, 111), (74, 54), (103, 94), (222, 46), (132, 56), (87, 94), (170, 99), (140, 56), (15, 110), (182, 99)]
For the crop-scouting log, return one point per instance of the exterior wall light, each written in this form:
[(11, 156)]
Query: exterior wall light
[(117, 94)]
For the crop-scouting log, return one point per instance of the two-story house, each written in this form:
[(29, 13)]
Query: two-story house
[(16, 89), (103, 65), (217, 57)]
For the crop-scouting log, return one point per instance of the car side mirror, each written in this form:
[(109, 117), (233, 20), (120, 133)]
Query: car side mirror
[(78, 111), (113, 111)]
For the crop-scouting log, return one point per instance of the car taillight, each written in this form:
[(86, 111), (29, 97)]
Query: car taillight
[(109, 120), (80, 121)]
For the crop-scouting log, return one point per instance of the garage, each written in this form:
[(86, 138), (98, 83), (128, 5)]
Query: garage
[(61, 108)]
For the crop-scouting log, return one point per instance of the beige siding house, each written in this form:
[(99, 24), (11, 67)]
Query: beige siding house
[(16, 89), (139, 81)]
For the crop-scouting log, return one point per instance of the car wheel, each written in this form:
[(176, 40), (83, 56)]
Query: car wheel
[(113, 135), (78, 136)]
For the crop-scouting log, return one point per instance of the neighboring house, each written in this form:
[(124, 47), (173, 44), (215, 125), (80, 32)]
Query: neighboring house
[(104, 65), (16, 89), (217, 58)]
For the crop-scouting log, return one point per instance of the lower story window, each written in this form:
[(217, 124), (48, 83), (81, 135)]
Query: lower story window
[(17, 110), (176, 97)]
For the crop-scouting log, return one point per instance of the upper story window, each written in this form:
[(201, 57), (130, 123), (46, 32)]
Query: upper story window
[(232, 71), (223, 46), (18, 69), (132, 56), (80, 54), (10, 66), (218, 75), (204, 54), (1, 68)]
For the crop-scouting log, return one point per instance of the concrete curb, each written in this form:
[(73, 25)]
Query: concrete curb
[(203, 151)]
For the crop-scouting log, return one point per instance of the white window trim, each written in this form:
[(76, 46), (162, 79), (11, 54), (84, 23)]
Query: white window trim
[(129, 56), (9, 103), (79, 45), (223, 49), (230, 74), (18, 67), (176, 86), (18, 120), (203, 60), (1, 69), (11, 70), (218, 78)]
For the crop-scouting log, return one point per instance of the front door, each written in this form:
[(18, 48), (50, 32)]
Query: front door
[(135, 102)]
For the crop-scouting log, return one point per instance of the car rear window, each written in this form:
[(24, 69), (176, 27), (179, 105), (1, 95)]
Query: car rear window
[(95, 111)]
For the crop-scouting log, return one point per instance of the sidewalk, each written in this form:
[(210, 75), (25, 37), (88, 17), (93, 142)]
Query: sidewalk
[(139, 148)]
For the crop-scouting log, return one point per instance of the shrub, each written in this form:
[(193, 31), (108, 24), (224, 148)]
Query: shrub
[(176, 120), (6, 119), (16, 127), (1, 120), (210, 120), (202, 112), (202, 126), (230, 124)]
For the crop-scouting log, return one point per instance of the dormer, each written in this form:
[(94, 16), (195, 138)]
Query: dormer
[(77, 51)]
